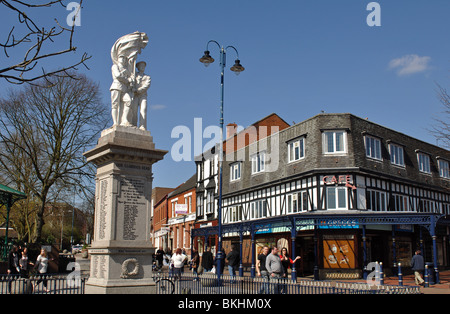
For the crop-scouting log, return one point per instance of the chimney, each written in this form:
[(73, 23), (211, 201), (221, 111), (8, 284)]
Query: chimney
[(231, 130)]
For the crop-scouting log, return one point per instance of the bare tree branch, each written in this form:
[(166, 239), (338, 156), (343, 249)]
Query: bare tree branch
[(441, 129), (34, 39), (50, 129)]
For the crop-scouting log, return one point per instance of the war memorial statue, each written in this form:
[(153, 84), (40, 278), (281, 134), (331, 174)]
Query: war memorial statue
[(121, 253)]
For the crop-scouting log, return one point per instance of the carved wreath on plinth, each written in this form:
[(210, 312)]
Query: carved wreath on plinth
[(130, 274)]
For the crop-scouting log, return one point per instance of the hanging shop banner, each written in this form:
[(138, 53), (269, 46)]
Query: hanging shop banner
[(181, 209)]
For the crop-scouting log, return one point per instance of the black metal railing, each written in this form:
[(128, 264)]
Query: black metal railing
[(42, 284), (209, 283)]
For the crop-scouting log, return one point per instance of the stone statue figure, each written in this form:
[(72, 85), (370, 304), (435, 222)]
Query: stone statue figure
[(125, 86), (143, 83), (121, 89)]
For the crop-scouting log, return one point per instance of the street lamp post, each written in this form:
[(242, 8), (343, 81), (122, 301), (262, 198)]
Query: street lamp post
[(237, 68)]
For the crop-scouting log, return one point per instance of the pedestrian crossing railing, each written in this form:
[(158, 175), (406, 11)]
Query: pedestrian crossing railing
[(210, 283)]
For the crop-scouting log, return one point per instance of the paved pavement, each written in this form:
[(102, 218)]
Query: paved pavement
[(408, 280), (442, 288)]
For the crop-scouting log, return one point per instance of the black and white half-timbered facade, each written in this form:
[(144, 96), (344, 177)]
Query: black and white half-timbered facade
[(339, 191)]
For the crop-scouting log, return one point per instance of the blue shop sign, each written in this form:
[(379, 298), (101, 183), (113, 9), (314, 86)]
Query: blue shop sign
[(404, 228), (338, 224)]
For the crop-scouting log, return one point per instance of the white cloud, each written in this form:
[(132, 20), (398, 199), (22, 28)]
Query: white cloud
[(158, 107), (410, 64)]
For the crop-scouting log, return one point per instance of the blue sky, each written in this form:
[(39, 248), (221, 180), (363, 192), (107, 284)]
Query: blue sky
[(301, 57)]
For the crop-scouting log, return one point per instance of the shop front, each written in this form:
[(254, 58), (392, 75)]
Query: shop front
[(338, 246)]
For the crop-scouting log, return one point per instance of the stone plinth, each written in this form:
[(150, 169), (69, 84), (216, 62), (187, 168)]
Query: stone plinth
[(121, 254)]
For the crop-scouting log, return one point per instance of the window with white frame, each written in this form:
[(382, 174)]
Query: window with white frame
[(296, 149), (235, 214), (201, 172), (376, 200), (235, 171), (258, 162), (297, 202), (424, 162), (444, 169), (188, 202), (211, 167), (373, 147), (400, 203), (397, 155), (174, 205), (200, 205), (336, 197), (334, 142), (210, 202), (426, 206), (258, 209)]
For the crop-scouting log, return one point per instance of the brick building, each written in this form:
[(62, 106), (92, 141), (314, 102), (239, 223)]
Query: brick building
[(340, 191), (159, 216), (181, 204)]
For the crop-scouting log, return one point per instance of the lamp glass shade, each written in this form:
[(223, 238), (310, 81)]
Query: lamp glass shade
[(237, 68), (206, 59)]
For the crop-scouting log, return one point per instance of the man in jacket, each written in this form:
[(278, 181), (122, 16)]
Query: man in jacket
[(233, 259), (418, 266)]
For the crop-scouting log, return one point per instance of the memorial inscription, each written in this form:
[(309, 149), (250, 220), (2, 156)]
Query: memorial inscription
[(132, 201), (103, 209)]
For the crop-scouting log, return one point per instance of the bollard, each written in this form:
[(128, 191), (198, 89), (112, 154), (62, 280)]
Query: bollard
[(427, 281), (381, 274), (400, 275)]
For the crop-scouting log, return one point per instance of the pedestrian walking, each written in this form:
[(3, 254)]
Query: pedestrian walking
[(13, 266), (13, 261), (195, 258), (207, 260), (286, 261), (25, 264), (418, 266), (261, 269), (233, 259), (159, 257), (178, 259), (275, 268), (42, 268)]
